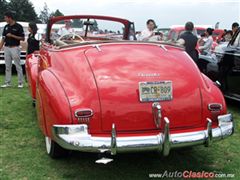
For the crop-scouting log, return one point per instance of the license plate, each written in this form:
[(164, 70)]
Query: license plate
[(155, 91)]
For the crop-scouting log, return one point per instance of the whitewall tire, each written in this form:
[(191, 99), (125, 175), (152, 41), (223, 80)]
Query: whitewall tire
[(53, 149)]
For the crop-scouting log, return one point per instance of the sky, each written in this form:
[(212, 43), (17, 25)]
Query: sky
[(164, 12)]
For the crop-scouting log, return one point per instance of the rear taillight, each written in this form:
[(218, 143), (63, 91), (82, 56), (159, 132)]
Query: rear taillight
[(83, 115), (215, 107)]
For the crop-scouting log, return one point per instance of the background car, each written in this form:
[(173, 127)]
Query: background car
[(224, 66), (177, 30)]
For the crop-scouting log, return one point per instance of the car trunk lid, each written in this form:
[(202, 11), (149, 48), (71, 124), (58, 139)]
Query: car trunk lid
[(119, 68)]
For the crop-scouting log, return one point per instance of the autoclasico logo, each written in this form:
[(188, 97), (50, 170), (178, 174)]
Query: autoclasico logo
[(190, 174)]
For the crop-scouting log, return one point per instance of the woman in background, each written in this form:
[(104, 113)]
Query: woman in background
[(206, 48), (148, 33), (33, 44)]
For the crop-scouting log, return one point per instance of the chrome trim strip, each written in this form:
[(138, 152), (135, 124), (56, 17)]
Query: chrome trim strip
[(163, 47), (77, 137), (97, 47), (113, 141)]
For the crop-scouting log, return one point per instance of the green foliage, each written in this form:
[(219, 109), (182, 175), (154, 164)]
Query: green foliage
[(3, 9), (57, 13), (77, 23), (44, 14), (94, 27), (24, 10)]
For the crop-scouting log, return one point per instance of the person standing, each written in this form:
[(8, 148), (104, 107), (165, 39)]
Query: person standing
[(11, 37), (189, 41), (206, 48), (33, 43)]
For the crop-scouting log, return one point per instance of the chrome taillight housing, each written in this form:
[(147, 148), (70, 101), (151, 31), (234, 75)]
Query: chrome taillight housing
[(215, 107), (83, 115)]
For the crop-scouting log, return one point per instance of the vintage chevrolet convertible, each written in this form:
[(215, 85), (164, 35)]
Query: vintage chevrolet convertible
[(98, 90)]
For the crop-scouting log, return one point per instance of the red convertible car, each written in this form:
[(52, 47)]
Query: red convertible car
[(97, 90)]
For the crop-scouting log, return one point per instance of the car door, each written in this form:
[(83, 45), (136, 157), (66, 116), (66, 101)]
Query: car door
[(233, 78)]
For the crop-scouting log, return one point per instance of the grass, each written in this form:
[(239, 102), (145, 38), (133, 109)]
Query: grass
[(23, 156)]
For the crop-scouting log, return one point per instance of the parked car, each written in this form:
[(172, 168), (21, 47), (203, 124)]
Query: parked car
[(224, 66), (103, 94), (176, 31), (163, 32)]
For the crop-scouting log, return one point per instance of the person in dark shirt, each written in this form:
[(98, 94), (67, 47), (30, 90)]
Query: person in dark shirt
[(33, 44), (189, 41), (11, 37)]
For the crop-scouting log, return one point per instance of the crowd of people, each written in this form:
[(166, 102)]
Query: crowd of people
[(13, 33), (192, 44)]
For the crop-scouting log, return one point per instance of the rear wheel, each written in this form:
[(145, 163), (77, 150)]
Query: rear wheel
[(53, 149)]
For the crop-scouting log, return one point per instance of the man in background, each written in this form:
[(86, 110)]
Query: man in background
[(11, 37), (189, 41)]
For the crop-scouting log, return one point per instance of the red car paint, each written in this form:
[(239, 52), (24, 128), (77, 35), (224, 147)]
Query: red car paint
[(106, 80)]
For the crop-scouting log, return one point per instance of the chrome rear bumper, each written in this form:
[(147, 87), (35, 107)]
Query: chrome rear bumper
[(76, 137)]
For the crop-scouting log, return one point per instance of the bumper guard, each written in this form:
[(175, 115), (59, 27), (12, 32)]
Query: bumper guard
[(76, 137)]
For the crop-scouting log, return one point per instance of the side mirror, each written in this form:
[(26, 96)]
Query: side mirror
[(217, 83)]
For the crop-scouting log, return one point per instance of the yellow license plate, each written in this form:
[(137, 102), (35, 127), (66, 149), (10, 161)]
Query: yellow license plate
[(155, 91)]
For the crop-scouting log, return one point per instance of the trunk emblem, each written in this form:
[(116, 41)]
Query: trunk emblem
[(157, 113), (148, 74)]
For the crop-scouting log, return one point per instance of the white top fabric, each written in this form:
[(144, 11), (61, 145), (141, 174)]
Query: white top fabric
[(237, 41), (145, 35), (207, 45)]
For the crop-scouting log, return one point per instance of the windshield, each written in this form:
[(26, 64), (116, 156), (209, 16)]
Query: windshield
[(72, 31)]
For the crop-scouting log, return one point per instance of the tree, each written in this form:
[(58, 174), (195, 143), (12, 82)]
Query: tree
[(23, 9), (44, 14), (94, 27), (3, 9), (56, 13), (77, 23)]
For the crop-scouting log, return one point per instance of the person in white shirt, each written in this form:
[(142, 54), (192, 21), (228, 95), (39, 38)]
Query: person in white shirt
[(148, 33), (206, 48), (67, 29)]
